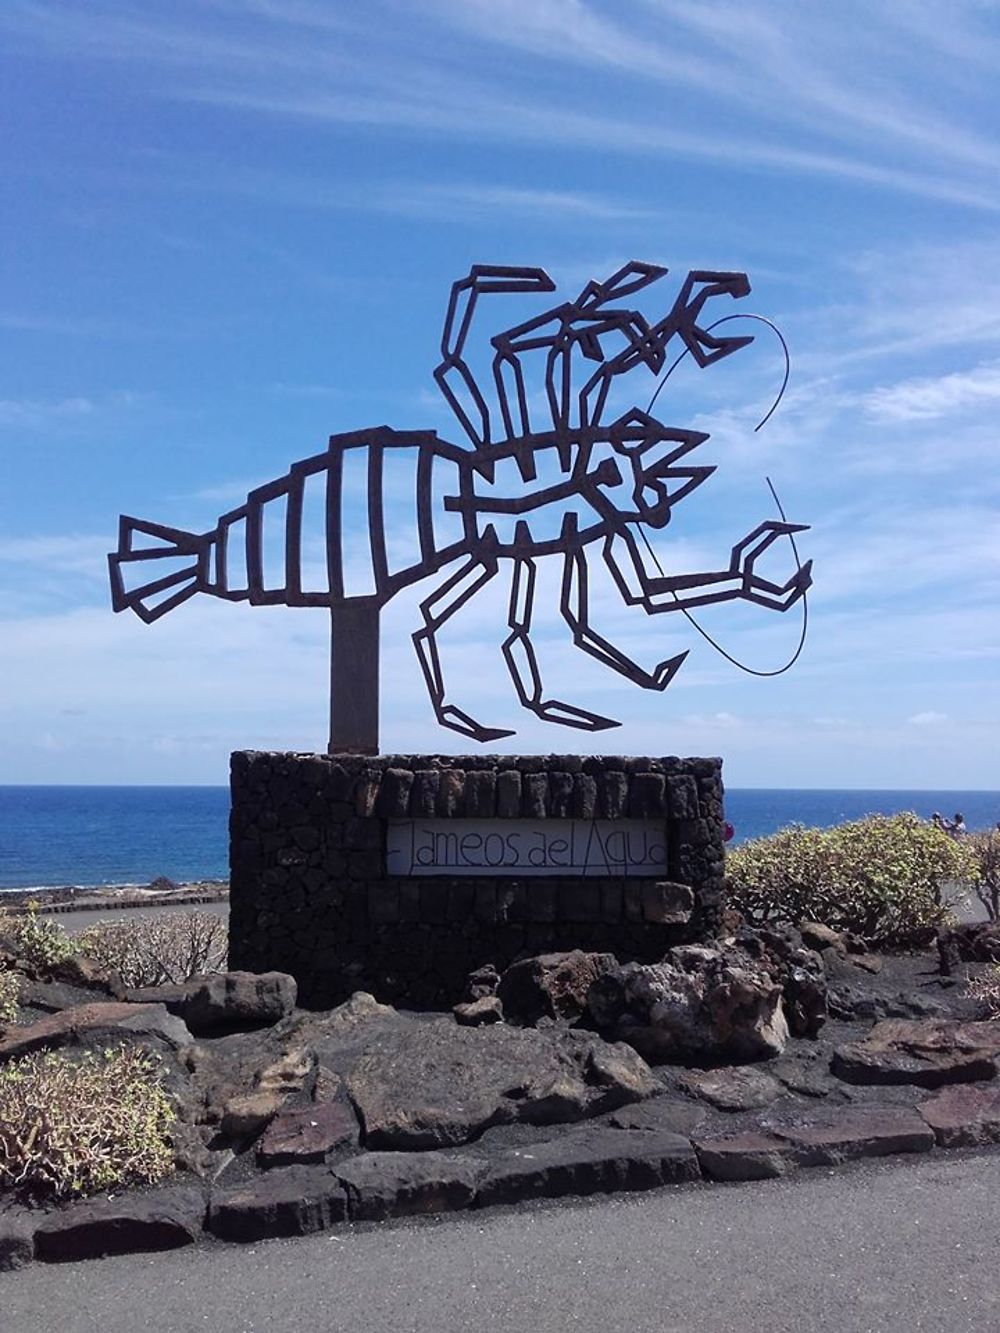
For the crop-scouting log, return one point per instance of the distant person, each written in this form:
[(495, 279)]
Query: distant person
[(728, 832), (957, 826), (939, 821)]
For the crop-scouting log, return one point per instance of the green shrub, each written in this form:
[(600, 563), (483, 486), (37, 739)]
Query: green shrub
[(10, 990), (41, 943), (73, 1125), (158, 950), (984, 856), (889, 878)]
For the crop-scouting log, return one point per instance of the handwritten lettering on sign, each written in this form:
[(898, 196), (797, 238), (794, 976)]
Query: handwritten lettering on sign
[(525, 847)]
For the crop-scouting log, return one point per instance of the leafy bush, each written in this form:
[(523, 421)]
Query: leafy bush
[(39, 942), (158, 950), (984, 856), (10, 990), (75, 1125), (888, 878)]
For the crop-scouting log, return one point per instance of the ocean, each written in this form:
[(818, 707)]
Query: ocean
[(57, 836)]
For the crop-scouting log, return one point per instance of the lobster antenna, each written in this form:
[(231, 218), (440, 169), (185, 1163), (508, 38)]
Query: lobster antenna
[(750, 671), (742, 666), (761, 319)]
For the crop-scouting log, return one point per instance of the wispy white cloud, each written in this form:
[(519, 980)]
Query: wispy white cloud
[(32, 412), (818, 87), (931, 397), (80, 553), (37, 414), (930, 718)]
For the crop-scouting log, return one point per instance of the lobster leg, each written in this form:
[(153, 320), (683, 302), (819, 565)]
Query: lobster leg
[(519, 654), (436, 610), (575, 608)]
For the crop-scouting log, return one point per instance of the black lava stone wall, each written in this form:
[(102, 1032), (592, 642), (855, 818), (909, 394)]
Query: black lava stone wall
[(309, 892)]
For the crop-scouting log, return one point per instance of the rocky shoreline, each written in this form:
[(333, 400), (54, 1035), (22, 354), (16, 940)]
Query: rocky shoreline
[(788, 1049), (160, 892)]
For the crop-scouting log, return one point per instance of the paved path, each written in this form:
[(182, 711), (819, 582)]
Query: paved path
[(907, 1246)]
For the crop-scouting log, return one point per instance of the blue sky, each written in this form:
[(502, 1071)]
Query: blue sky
[(229, 230)]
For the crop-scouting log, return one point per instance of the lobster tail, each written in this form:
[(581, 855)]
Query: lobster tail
[(179, 560)]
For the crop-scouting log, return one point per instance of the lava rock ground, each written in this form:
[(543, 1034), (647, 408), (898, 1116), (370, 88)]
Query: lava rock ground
[(365, 1112)]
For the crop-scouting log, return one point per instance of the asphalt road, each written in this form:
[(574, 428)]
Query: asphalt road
[(76, 922), (886, 1247)]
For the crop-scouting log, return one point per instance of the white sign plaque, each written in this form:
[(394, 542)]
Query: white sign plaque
[(523, 847)]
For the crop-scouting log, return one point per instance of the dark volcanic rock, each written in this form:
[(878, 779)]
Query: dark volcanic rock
[(819, 937), (926, 1052), (440, 1084), (17, 1245), (870, 1131), (552, 985), (287, 1081), (736, 1088), (398, 1184), (295, 1201), (91, 1024), (799, 970), (163, 1219), (308, 1134), (589, 1161), (668, 1115), (234, 1000), (474, 1013), (752, 1155), (703, 1004), (974, 942), (963, 1116), (852, 1003)]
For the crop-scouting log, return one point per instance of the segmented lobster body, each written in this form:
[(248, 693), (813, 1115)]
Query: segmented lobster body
[(549, 489)]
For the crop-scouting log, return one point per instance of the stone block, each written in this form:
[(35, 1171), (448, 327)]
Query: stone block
[(508, 793), (612, 901), (859, 1132), (404, 1184), (647, 796), (162, 1219), (584, 796), (292, 1201), (589, 1161), (580, 900), (485, 904), (964, 1116), (665, 903), (434, 901), (682, 796), (560, 795), (451, 791), (480, 795), (752, 1155), (535, 795), (612, 795), (393, 800), (540, 899), (383, 901), (308, 1134), (424, 793)]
